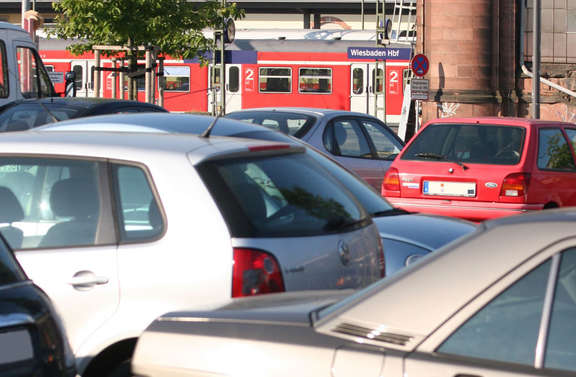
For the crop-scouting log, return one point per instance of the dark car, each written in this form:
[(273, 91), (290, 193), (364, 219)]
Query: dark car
[(360, 142), (32, 339), (29, 113)]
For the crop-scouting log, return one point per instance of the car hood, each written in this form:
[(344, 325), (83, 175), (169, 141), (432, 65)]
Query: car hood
[(426, 231), (293, 308)]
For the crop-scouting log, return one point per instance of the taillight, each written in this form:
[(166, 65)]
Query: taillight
[(391, 183), (255, 272), (515, 185)]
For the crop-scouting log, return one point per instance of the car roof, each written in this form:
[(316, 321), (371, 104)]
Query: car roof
[(156, 122), (511, 121), (125, 145), (317, 112), (444, 281)]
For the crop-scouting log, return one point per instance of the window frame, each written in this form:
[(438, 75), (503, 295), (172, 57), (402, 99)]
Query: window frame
[(260, 76), (320, 77)]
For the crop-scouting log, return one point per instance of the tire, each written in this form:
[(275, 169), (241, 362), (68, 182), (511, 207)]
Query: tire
[(124, 369)]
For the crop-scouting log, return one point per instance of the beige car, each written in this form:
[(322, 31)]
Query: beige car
[(500, 302)]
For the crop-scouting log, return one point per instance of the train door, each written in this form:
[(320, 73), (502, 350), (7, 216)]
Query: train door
[(84, 77), (365, 79), (233, 87)]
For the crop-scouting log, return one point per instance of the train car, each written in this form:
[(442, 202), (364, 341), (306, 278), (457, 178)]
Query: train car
[(315, 69)]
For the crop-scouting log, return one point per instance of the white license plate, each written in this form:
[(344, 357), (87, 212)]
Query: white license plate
[(467, 189)]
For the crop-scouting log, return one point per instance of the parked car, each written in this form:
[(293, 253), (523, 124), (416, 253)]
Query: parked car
[(360, 142), (405, 236), (29, 113), (32, 339), (136, 224), (501, 302), (482, 168)]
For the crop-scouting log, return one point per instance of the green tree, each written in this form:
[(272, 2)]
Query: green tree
[(174, 26)]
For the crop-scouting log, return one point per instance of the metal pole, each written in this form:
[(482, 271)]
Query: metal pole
[(25, 7), (96, 75), (148, 76), (222, 76), (536, 61), (121, 79), (362, 14), (115, 80)]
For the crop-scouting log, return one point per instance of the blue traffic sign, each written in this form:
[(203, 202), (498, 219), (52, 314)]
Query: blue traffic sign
[(420, 64)]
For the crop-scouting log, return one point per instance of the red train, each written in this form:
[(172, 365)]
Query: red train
[(327, 73)]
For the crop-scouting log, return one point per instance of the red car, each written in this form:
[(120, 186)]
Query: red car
[(482, 168)]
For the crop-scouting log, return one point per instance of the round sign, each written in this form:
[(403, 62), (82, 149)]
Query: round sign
[(420, 64)]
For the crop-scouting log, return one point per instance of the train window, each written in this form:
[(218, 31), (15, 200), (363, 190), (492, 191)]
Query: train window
[(377, 79), (275, 80), (3, 71), (358, 80), (315, 80), (177, 78), (233, 79)]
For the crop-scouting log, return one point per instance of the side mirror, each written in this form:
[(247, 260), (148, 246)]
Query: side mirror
[(70, 79)]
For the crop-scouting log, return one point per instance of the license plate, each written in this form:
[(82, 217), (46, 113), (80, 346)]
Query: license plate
[(467, 189), (16, 345)]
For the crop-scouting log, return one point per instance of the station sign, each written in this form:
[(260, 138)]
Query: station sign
[(379, 53)]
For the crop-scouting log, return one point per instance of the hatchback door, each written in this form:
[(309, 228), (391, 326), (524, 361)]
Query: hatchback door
[(467, 162), (57, 219), (290, 207)]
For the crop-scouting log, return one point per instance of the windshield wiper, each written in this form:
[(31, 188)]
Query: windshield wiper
[(341, 223), (390, 212), (441, 157)]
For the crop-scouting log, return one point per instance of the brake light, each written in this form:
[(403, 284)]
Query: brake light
[(255, 272), (272, 147), (391, 183), (515, 185)]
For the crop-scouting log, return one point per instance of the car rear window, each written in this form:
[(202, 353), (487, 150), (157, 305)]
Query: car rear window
[(473, 143), (293, 124), (281, 196), (10, 271)]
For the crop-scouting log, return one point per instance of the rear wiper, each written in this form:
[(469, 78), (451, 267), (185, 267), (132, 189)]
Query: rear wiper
[(437, 156), (340, 223), (390, 212)]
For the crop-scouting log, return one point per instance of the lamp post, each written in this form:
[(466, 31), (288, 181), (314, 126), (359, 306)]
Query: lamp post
[(536, 61)]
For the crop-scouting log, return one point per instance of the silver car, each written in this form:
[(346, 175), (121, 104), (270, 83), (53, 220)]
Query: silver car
[(499, 303), (405, 236), (118, 228), (360, 142)]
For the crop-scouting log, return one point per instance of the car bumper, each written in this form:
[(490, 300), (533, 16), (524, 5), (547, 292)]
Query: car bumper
[(474, 211)]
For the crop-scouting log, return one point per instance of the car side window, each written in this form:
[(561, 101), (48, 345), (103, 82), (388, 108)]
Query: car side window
[(553, 151), (345, 138), (571, 132), (387, 147), (518, 326), (51, 202), (561, 344), (139, 213), (507, 328)]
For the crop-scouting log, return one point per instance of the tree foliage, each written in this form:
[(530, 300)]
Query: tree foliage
[(175, 26)]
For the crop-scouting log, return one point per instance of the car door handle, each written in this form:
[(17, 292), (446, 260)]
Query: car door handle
[(83, 280)]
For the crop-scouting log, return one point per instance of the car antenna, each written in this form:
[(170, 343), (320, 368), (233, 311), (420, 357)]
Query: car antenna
[(206, 133), (54, 117)]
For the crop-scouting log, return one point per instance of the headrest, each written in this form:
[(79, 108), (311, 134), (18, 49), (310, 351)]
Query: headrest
[(74, 197), (10, 208)]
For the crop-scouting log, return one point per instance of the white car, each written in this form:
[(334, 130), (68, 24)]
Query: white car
[(119, 228), (501, 302)]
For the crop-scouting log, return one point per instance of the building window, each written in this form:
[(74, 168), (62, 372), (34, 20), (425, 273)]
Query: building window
[(315, 80), (177, 78), (275, 80)]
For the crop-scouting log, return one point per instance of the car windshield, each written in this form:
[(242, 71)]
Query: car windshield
[(293, 124), (29, 115), (288, 195), (468, 143)]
